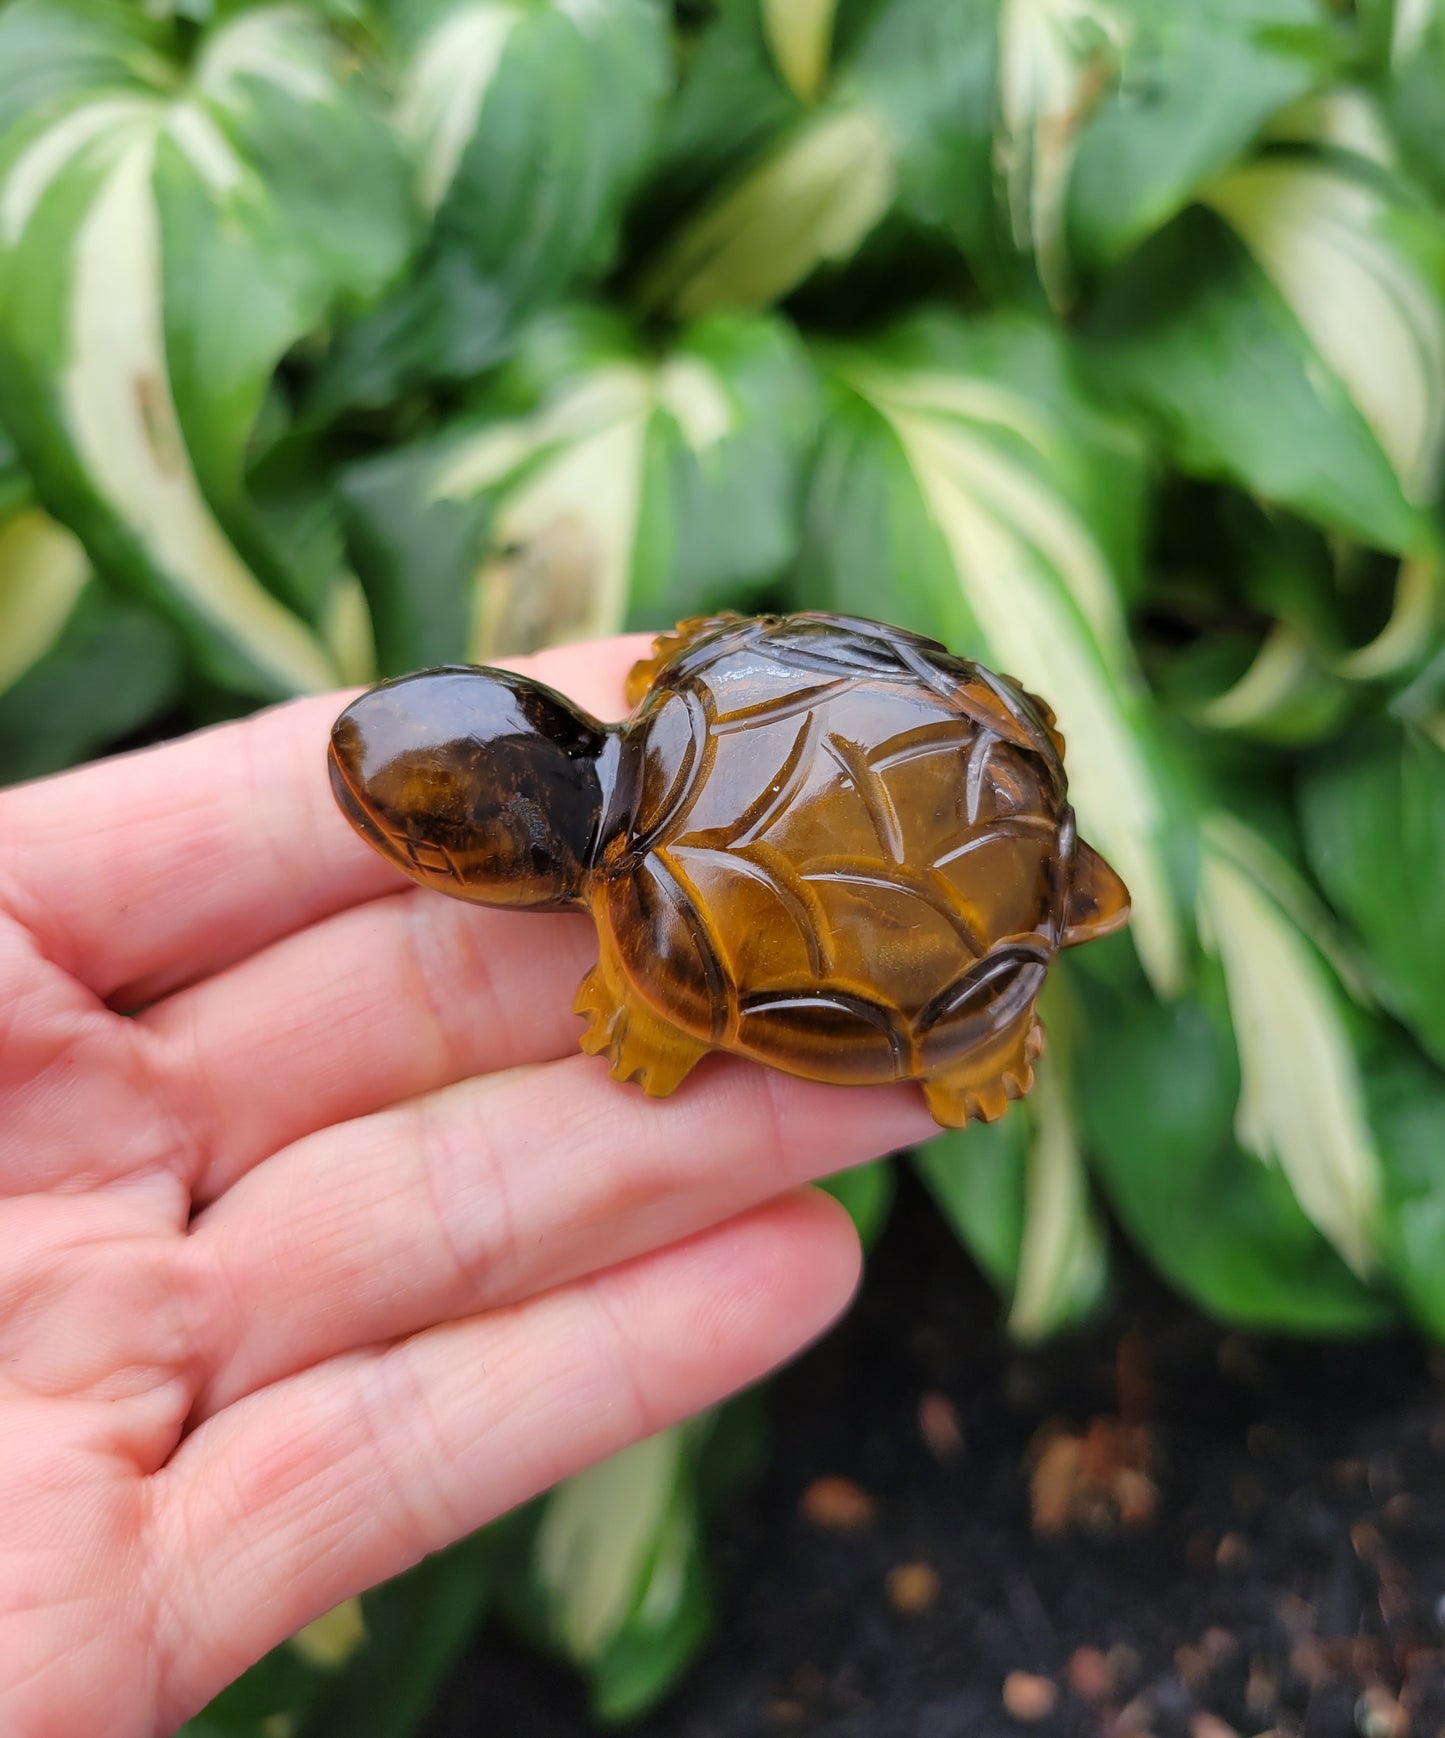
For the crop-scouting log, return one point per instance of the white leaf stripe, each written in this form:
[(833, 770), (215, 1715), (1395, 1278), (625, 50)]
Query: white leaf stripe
[(1302, 1099), (1408, 26), (44, 158)]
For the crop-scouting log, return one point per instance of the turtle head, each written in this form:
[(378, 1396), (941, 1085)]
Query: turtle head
[(477, 783)]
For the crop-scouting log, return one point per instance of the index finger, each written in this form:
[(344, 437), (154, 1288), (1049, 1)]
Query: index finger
[(154, 869)]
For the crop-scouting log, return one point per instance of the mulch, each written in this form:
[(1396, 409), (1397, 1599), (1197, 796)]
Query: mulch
[(1156, 1528)]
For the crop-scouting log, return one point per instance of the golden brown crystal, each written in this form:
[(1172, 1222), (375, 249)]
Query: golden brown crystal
[(820, 842)]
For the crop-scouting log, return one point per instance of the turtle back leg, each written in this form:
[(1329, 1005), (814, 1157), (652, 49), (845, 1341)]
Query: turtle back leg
[(666, 647), (979, 1086), (638, 1041)]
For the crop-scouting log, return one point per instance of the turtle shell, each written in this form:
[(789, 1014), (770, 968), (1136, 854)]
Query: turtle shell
[(837, 848)]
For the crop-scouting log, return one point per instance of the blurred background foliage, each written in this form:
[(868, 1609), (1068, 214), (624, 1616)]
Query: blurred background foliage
[(1104, 339)]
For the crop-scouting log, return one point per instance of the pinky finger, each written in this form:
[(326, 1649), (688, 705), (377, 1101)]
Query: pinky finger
[(340, 1477)]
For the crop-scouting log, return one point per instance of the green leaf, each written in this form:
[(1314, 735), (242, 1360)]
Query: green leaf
[(1407, 1107), (1412, 36), (15, 491), (1292, 340), (372, 1666), (963, 470), (1158, 1089), (636, 489), (57, 50), (1016, 1194), (1373, 813), (1292, 682), (415, 1630), (162, 245), (978, 1178), (529, 126)]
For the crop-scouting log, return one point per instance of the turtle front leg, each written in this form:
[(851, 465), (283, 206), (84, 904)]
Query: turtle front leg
[(979, 1088), (637, 1041), (666, 647)]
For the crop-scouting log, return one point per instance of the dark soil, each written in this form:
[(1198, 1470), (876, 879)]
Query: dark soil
[(1290, 1577)]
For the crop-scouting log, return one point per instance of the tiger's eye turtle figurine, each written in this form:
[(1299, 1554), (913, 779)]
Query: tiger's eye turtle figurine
[(819, 842)]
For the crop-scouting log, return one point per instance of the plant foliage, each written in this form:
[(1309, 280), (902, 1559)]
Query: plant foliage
[(1104, 339)]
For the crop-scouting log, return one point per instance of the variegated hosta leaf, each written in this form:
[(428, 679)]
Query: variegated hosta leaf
[(1195, 84), (1289, 685), (528, 126), (1373, 312), (1302, 1101), (809, 202), (1293, 341), (616, 1571), (602, 1549), (164, 240), (962, 469), (1016, 1192), (1074, 128), (768, 191), (639, 488)]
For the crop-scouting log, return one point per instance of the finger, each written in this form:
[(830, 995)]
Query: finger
[(504, 1187), (345, 1475), (148, 871), (384, 1002)]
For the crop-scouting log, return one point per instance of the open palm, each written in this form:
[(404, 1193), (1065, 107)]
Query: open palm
[(320, 1245)]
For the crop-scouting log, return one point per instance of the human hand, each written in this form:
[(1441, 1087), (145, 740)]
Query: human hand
[(337, 1248)]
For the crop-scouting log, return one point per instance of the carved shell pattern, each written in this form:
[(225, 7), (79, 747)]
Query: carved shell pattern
[(793, 773)]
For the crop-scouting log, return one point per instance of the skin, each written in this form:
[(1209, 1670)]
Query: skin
[(336, 1249)]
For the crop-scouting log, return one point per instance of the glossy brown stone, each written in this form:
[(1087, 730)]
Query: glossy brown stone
[(820, 842)]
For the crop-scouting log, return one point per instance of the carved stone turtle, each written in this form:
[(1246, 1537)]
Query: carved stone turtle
[(820, 842)]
